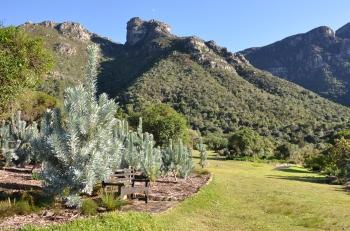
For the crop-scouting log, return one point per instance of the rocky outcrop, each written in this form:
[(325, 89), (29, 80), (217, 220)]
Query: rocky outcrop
[(344, 31), (65, 49), (318, 60), (69, 29), (74, 30), (138, 30)]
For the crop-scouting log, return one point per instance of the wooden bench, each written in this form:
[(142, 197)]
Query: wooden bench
[(128, 182)]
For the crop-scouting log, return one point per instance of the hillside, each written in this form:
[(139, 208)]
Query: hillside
[(217, 90), (318, 60)]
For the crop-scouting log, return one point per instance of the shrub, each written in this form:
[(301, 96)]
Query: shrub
[(285, 151), (164, 123), (216, 141), (81, 148), (15, 140), (203, 155), (248, 143), (315, 161), (337, 159), (10, 207), (110, 201), (343, 133), (23, 60), (23, 207), (89, 207), (177, 158)]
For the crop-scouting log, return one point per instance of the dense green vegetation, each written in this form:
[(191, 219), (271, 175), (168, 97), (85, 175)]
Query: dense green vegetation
[(24, 61), (249, 143), (242, 196), (333, 161), (218, 102), (163, 122)]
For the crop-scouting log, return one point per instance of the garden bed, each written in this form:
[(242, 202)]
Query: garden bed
[(165, 193)]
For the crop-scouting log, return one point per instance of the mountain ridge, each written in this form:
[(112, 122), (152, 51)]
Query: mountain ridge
[(318, 60), (218, 91)]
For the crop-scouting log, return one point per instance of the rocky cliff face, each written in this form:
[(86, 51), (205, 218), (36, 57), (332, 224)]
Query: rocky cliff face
[(139, 30), (318, 60)]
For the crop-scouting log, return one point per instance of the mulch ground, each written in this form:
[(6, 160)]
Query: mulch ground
[(165, 193)]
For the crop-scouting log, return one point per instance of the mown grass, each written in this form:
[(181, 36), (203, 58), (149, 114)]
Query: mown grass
[(243, 196)]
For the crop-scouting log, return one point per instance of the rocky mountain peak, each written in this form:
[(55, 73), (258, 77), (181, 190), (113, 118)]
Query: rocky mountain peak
[(70, 29), (322, 34), (138, 30), (344, 31), (74, 30)]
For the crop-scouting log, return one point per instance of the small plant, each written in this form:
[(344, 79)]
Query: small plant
[(6, 207), (15, 138), (73, 201), (177, 159), (23, 207), (89, 207), (10, 207), (110, 201), (203, 155), (36, 176)]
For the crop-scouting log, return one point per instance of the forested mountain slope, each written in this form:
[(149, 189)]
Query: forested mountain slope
[(217, 90)]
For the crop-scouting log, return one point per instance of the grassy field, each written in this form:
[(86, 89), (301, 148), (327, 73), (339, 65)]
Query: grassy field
[(243, 196)]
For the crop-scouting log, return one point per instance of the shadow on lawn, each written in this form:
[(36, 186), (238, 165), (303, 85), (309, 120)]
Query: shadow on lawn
[(310, 179), (212, 157), (292, 170)]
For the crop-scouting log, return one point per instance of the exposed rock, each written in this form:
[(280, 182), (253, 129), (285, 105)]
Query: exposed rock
[(74, 30), (48, 24), (204, 55), (230, 57), (320, 33), (138, 30), (317, 60), (344, 31), (65, 49), (195, 44)]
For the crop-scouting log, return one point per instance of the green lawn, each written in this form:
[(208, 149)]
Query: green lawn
[(243, 196)]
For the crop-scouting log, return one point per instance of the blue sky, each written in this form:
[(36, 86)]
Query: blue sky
[(236, 24)]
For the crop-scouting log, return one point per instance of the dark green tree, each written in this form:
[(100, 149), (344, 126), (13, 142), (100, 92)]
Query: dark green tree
[(338, 157), (165, 124), (247, 142)]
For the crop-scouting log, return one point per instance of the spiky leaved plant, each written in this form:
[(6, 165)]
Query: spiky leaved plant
[(177, 158), (203, 156), (79, 145), (139, 151), (151, 158), (15, 138)]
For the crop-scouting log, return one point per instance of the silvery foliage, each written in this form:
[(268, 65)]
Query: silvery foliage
[(139, 151), (15, 140), (177, 159), (78, 144), (73, 201), (203, 156)]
